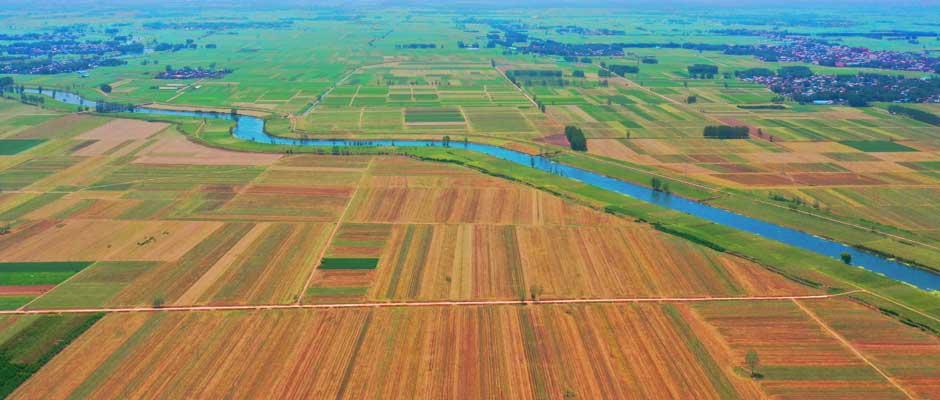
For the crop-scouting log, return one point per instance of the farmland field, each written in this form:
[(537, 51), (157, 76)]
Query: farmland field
[(164, 242)]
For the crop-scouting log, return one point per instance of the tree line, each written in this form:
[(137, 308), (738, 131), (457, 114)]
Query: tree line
[(726, 132), (913, 113), (703, 71)]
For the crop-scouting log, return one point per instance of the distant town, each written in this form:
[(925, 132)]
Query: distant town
[(787, 47), (854, 90), (193, 73), (64, 51)]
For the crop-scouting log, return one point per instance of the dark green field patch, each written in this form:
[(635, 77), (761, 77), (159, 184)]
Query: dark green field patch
[(337, 291), (349, 263), (630, 124), (877, 146), (922, 165), (10, 147), (14, 302), (620, 99), (38, 273), (28, 350)]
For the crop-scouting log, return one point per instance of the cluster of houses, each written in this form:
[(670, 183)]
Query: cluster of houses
[(57, 65), (853, 89), (193, 73), (810, 50)]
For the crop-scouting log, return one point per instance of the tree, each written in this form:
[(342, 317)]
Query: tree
[(6, 83), (656, 183), (846, 258), (576, 138), (753, 363), (726, 132), (446, 141), (855, 100), (106, 88), (535, 291)]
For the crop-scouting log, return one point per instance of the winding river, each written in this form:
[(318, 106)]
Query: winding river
[(252, 129)]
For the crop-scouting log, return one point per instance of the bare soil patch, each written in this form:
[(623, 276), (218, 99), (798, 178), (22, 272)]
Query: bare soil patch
[(116, 133), (179, 150)]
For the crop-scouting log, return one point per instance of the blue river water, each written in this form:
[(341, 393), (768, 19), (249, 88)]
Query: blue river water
[(252, 129)]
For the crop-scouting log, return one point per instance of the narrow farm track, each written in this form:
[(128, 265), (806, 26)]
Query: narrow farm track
[(336, 226), (519, 88), (847, 344), (445, 303)]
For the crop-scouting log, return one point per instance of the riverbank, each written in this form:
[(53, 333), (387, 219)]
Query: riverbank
[(908, 304), (815, 264)]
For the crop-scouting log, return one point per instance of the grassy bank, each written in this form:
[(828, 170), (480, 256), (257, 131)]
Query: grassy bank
[(909, 304)]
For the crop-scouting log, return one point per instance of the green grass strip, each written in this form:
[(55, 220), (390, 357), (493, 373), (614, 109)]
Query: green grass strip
[(65, 266), (349, 263), (712, 369)]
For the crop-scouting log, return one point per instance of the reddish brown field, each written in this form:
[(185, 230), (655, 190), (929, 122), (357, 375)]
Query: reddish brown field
[(179, 150), (54, 128), (504, 262), (115, 133), (400, 190), (464, 352), (25, 290), (799, 358), (95, 240), (286, 203), (910, 356), (757, 179), (834, 179)]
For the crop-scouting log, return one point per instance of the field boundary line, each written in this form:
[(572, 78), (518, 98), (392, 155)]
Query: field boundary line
[(329, 239), (519, 88), (849, 345), (23, 307), (437, 303), (94, 187)]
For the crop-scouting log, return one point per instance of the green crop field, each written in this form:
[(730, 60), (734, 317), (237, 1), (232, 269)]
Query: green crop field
[(877, 147), (38, 273), (16, 146)]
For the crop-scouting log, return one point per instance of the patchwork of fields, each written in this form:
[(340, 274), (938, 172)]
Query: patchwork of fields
[(166, 258), (163, 222)]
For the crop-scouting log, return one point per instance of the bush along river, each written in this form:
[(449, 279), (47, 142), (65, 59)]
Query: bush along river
[(252, 129)]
